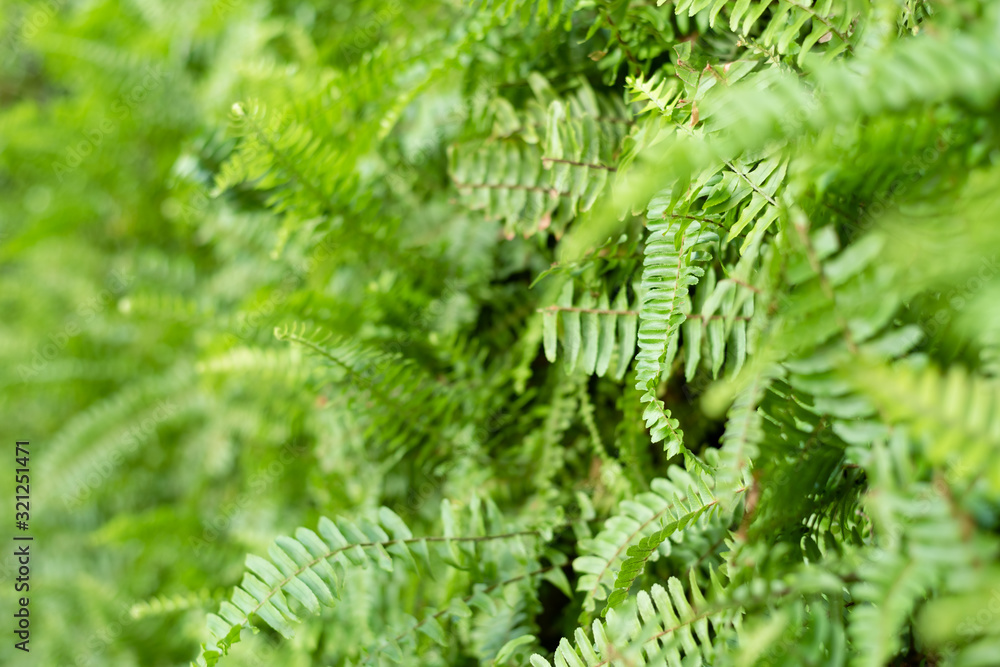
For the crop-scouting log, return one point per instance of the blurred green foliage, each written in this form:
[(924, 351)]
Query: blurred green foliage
[(675, 322)]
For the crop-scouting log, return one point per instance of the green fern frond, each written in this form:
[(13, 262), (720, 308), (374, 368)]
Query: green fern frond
[(663, 627), (671, 265), (548, 164), (312, 570), (592, 333), (283, 157), (641, 526), (828, 21), (111, 417), (913, 520), (740, 441), (956, 417), (472, 228), (638, 554), (268, 363), (719, 325), (398, 385), (163, 605), (547, 13)]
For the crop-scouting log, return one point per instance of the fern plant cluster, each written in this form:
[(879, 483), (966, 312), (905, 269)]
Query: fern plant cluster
[(567, 333)]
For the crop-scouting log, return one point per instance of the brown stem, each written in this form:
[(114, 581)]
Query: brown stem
[(604, 311), (513, 186), (598, 311), (618, 37), (753, 186), (824, 21), (588, 165), (743, 283), (696, 316), (824, 282), (691, 217)]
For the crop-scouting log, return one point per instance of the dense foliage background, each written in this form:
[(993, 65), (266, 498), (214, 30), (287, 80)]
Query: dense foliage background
[(582, 332)]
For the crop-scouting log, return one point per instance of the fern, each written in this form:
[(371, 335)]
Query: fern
[(612, 560), (593, 332), (638, 554), (266, 263), (664, 625), (967, 415), (383, 378), (312, 570), (827, 22), (280, 156), (547, 13), (670, 267), (543, 166)]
